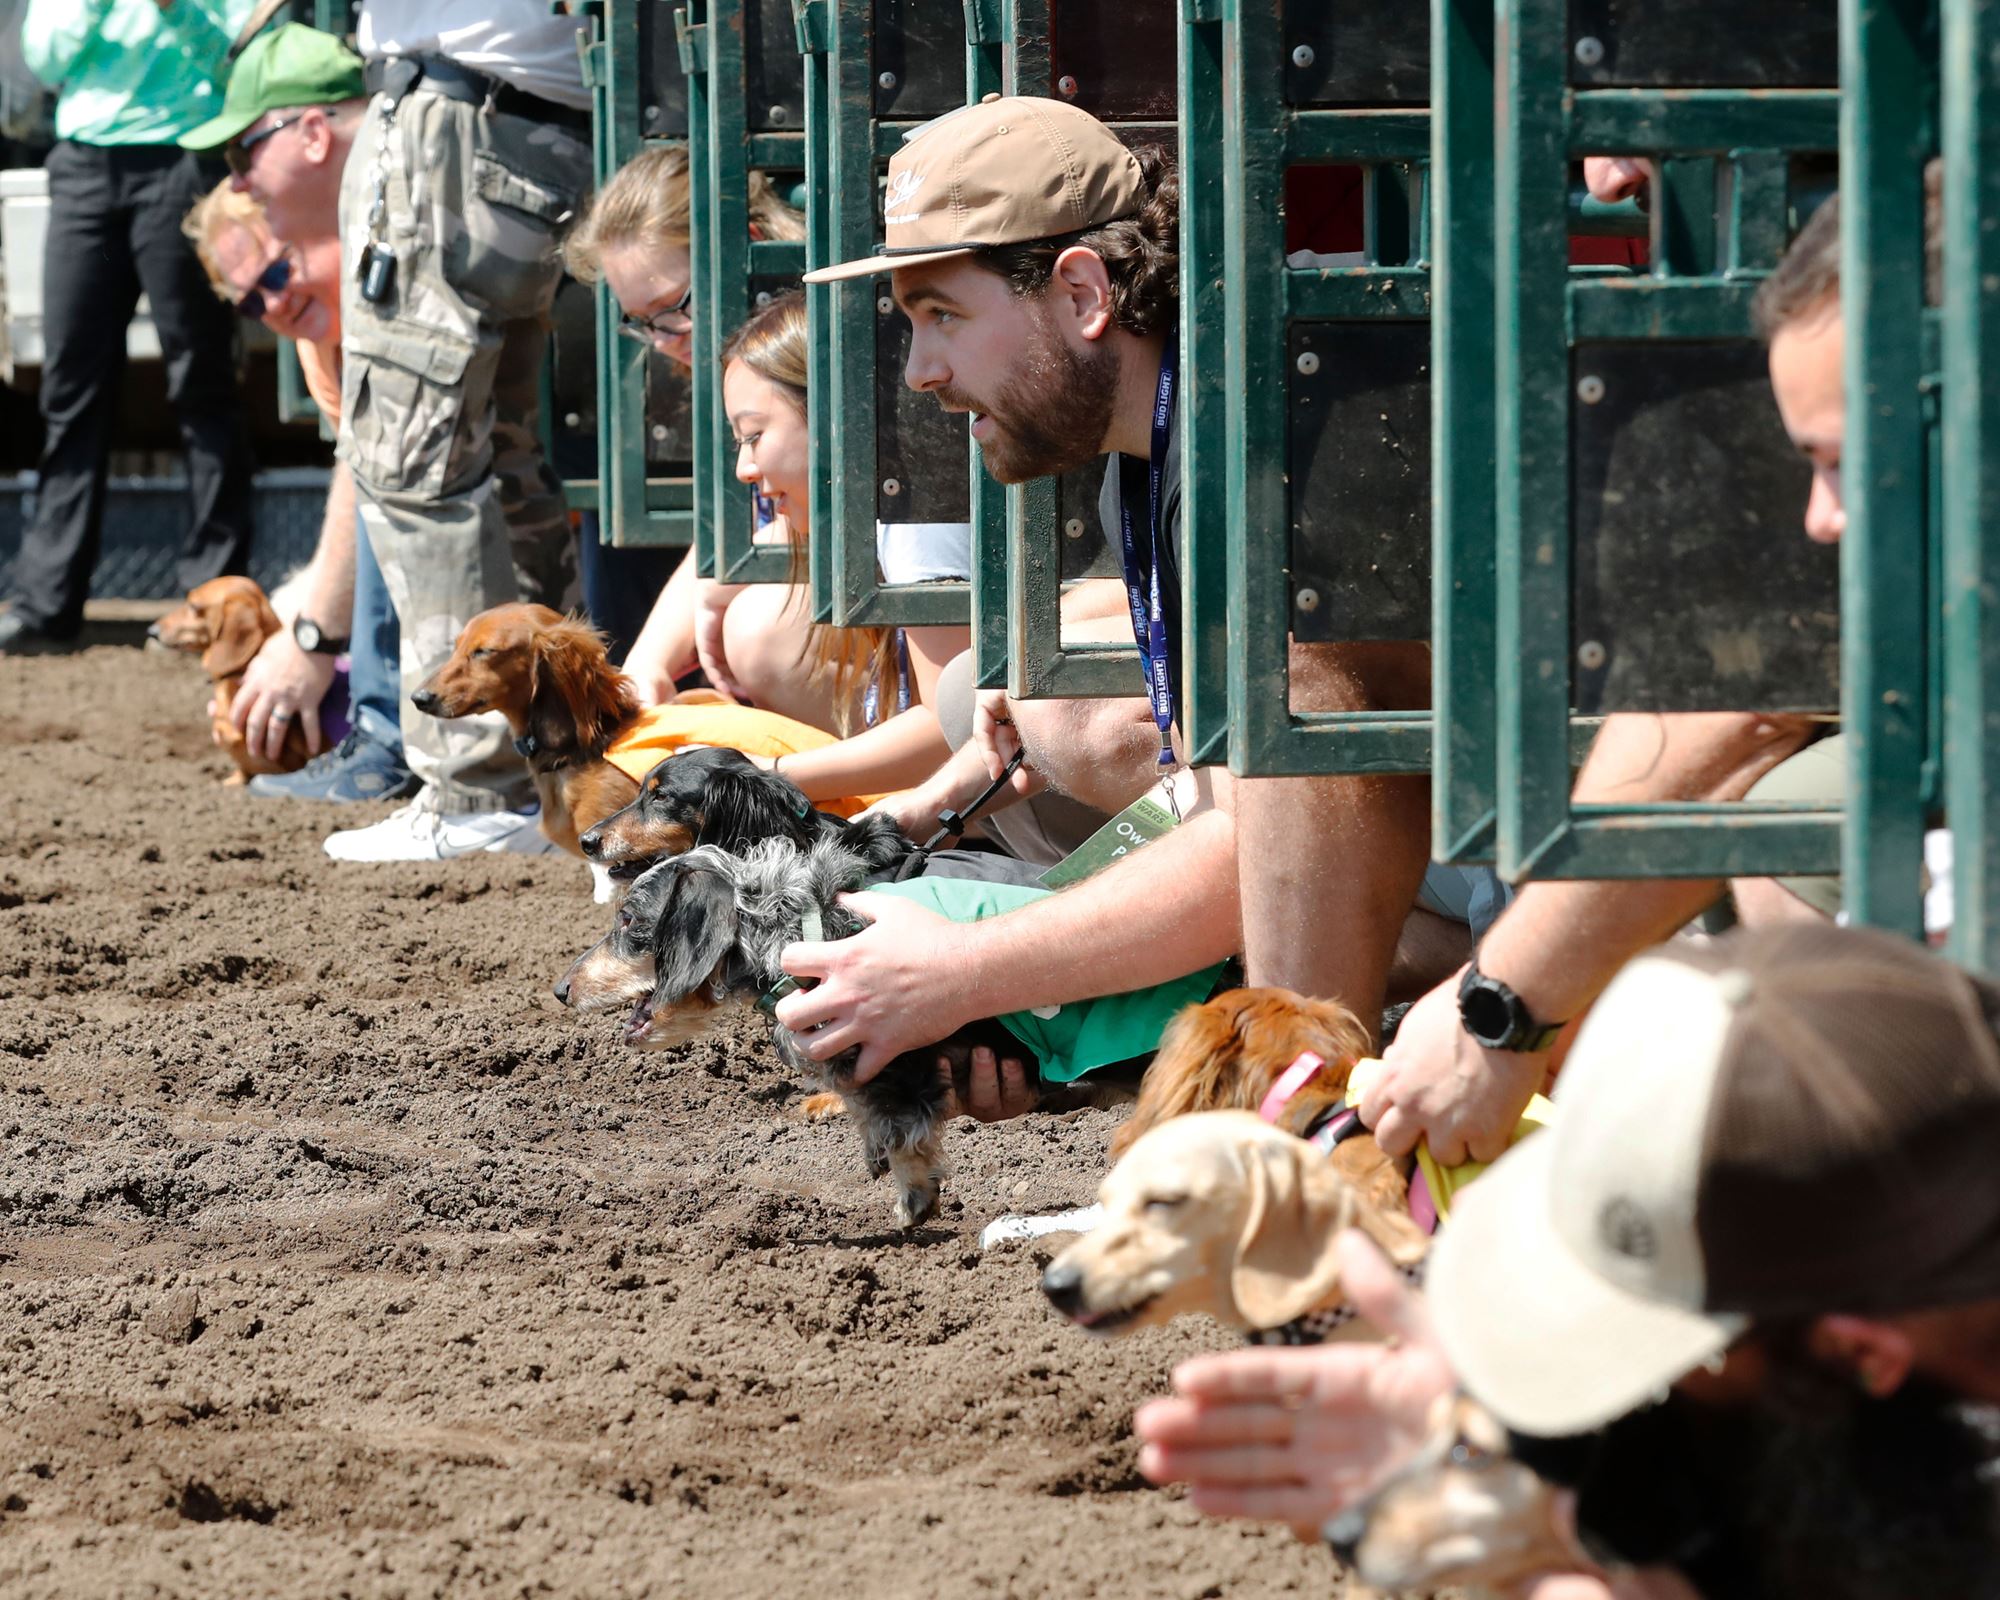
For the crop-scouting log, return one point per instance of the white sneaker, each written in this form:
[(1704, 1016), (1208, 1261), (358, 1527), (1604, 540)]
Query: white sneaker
[(416, 833)]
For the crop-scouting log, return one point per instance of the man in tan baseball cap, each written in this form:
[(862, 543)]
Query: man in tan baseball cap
[(1037, 258)]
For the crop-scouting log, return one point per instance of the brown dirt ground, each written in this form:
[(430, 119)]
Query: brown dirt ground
[(337, 1259)]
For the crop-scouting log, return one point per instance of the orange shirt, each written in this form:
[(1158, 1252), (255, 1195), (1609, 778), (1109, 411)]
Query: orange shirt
[(662, 731)]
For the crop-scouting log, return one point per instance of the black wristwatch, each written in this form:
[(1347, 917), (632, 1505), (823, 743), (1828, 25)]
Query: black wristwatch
[(1498, 1018), (307, 636)]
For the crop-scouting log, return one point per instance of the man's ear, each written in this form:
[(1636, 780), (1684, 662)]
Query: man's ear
[(316, 136), (1081, 286), (1878, 1354)]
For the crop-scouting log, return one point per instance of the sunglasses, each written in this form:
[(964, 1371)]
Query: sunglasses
[(668, 324), (237, 152), (271, 280)]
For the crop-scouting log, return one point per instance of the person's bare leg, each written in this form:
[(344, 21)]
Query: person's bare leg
[(1429, 950), (1330, 867), (764, 637)]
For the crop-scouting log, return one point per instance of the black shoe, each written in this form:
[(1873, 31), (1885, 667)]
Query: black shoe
[(20, 637)]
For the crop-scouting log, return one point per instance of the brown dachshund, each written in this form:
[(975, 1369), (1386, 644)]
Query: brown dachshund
[(1225, 1054), (225, 622), (550, 677)]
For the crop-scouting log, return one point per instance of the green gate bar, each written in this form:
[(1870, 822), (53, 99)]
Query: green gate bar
[(1886, 74), (722, 152), (845, 422), (632, 510), (1971, 119), (1204, 709), (1542, 310), (1263, 136), (986, 73)]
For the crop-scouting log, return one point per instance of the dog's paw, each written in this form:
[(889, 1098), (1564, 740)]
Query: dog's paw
[(915, 1205), (823, 1108)]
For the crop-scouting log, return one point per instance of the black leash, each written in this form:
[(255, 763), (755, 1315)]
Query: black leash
[(952, 824)]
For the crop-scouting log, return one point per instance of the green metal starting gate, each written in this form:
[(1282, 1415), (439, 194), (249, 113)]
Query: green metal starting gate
[(1569, 478)]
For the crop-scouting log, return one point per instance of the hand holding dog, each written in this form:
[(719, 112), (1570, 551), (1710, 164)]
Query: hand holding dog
[(895, 986), (1443, 1087), (281, 677), (1297, 1436)]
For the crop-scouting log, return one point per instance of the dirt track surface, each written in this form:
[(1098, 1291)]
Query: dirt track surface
[(337, 1259)]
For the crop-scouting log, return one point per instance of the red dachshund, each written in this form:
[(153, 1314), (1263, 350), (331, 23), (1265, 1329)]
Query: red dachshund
[(225, 622)]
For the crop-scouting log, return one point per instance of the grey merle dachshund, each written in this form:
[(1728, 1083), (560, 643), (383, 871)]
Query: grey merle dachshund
[(698, 938)]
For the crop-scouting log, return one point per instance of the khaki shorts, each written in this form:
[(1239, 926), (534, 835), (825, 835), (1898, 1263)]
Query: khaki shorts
[(1818, 772)]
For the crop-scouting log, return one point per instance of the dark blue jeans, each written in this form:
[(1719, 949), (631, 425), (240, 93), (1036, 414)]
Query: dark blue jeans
[(620, 586), (373, 673)]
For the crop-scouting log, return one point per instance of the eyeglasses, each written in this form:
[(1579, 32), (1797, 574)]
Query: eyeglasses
[(271, 280), (237, 151), (668, 324)]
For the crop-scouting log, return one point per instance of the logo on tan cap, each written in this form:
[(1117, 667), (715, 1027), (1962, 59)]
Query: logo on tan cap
[(1005, 171), (896, 198)]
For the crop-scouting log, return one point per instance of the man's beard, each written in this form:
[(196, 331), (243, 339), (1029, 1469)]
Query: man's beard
[(1052, 413), (1813, 1491)]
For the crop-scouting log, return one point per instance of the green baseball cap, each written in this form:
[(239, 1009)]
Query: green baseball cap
[(290, 66)]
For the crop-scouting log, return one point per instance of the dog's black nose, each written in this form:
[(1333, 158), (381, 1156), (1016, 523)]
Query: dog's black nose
[(1064, 1287), (590, 843), (426, 701), (1344, 1534), (562, 991)]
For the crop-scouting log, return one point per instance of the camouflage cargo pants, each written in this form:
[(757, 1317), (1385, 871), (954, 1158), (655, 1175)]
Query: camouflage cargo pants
[(439, 392)]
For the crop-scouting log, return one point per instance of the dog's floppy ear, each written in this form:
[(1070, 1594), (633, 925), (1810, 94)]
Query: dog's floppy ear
[(696, 930), (246, 622), (741, 806), (1285, 1264), (568, 660)]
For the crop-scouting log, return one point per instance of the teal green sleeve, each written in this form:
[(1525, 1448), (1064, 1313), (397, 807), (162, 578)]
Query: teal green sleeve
[(54, 34), (1083, 1035), (128, 72)]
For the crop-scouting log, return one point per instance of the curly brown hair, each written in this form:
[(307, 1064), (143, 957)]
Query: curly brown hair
[(1142, 252)]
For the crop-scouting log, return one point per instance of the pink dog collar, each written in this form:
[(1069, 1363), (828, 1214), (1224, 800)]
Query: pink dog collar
[(1294, 1078)]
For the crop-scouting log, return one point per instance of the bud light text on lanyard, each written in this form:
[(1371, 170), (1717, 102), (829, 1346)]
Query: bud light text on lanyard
[(1151, 586)]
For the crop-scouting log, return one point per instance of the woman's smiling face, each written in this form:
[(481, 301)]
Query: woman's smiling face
[(771, 445)]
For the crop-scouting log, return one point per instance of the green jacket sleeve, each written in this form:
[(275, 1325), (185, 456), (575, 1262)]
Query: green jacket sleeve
[(55, 32)]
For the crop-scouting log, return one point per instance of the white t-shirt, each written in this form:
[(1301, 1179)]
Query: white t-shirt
[(924, 552), (516, 41)]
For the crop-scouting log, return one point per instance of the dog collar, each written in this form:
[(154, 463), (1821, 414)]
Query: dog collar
[(810, 928), (1294, 1078)]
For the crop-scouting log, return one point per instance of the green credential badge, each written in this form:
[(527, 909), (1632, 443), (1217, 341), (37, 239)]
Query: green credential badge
[(1140, 823)]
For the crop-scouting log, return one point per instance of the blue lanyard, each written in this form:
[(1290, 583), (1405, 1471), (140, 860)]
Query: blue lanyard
[(1150, 583), (871, 701)]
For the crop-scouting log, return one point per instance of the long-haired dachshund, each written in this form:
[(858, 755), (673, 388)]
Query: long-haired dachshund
[(1220, 1212), (549, 676), (720, 797), (225, 622), (698, 938), (1226, 1053)]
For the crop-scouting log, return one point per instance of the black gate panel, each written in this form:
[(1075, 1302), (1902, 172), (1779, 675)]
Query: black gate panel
[(1118, 59), (663, 88), (1771, 44), (919, 60), (1360, 474), (774, 73), (1357, 55), (1695, 587), (923, 454)]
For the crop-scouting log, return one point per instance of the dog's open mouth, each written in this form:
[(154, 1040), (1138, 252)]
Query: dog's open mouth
[(626, 870), (1109, 1320), (641, 1019)]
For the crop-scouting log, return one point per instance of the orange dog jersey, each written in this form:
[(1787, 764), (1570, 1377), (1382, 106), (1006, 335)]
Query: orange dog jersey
[(667, 730)]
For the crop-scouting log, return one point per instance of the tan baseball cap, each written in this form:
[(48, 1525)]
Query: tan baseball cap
[(1782, 1124), (1006, 171)]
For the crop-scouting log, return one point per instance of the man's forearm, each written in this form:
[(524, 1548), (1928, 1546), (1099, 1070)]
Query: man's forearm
[(1559, 944), (327, 595), (1160, 913)]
